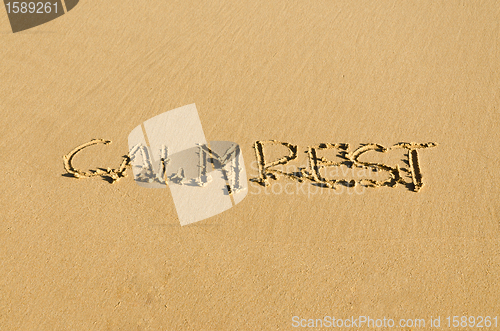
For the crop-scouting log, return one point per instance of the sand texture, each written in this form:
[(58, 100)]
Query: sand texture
[(401, 98)]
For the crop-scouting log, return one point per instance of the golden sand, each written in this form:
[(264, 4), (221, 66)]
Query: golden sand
[(87, 255)]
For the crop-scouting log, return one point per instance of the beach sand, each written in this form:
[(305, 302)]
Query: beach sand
[(84, 254)]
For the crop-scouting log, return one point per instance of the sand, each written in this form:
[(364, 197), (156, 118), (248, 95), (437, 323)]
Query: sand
[(85, 254)]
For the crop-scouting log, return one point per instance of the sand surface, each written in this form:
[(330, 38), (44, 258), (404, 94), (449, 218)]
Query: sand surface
[(84, 254)]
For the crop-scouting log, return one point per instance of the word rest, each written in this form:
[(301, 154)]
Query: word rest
[(268, 169)]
